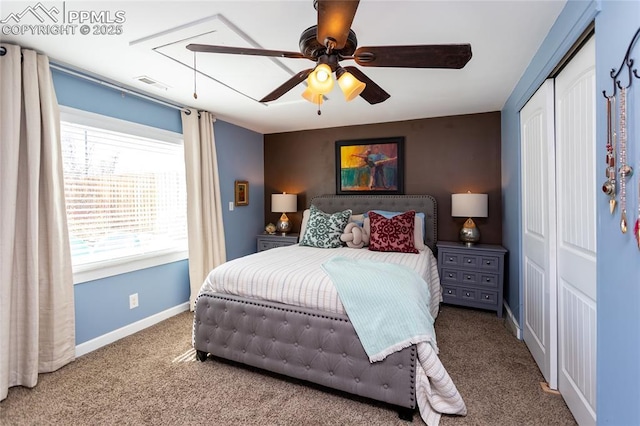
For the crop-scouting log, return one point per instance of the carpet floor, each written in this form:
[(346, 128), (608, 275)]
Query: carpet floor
[(153, 378)]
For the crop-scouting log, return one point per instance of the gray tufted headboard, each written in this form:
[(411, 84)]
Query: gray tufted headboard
[(363, 203)]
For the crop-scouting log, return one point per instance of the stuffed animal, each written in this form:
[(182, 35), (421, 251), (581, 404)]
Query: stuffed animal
[(355, 236)]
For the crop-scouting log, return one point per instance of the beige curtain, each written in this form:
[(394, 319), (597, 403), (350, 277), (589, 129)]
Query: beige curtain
[(204, 205), (37, 326)]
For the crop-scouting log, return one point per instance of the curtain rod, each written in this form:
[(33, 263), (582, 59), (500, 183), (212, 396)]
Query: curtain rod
[(120, 88)]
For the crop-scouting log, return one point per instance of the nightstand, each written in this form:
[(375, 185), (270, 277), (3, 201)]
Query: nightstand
[(472, 276), (269, 241)]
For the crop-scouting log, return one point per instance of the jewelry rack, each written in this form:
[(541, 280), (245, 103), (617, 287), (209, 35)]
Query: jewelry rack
[(626, 62), (617, 149)]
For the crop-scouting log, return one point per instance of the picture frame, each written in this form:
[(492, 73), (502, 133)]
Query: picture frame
[(241, 193), (370, 166)]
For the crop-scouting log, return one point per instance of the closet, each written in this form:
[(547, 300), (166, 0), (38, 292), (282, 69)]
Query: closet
[(559, 186)]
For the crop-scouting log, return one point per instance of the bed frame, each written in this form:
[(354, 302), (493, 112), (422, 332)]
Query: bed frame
[(312, 345)]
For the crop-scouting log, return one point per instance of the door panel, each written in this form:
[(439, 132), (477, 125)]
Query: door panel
[(576, 221), (538, 219)]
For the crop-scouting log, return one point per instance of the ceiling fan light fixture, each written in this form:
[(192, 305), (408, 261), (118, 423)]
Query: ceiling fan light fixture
[(320, 80), (311, 96), (351, 87)]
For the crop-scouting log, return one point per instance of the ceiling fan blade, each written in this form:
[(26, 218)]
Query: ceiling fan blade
[(421, 56), (287, 85), (208, 48), (334, 20), (372, 93)]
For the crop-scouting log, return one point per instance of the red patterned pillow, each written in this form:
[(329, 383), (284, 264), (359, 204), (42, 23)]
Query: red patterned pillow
[(395, 234)]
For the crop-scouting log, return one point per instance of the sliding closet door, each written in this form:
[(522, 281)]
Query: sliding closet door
[(576, 237), (538, 238)]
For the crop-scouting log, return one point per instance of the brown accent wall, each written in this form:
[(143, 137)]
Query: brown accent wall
[(443, 155)]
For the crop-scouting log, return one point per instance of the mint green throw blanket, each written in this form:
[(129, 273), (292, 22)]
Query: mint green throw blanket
[(388, 304)]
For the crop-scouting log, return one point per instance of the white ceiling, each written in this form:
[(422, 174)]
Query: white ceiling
[(504, 35)]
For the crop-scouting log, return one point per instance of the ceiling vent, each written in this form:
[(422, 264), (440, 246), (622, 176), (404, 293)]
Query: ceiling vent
[(151, 82)]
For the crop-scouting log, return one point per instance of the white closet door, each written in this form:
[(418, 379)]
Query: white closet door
[(538, 238), (576, 236)]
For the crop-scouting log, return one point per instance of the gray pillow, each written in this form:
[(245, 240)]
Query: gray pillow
[(323, 230)]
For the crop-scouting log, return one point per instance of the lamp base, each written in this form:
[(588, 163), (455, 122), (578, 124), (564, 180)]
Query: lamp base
[(469, 234), (283, 225)]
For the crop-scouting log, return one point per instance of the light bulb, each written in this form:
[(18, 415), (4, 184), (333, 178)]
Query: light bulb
[(320, 80)]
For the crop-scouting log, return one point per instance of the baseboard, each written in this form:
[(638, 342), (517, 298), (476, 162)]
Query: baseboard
[(511, 323), (105, 339)]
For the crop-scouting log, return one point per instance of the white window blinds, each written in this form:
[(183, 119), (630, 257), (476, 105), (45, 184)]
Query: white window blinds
[(125, 195)]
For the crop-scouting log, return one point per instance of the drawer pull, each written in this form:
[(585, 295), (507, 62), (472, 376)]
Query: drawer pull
[(488, 280), (468, 260), (450, 275), (469, 277), (467, 294), (451, 259), (449, 292), (486, 296)]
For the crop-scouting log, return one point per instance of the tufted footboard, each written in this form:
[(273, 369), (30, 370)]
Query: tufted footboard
[(301, 343)]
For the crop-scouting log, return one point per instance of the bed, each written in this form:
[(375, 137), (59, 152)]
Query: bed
[(274, 324)]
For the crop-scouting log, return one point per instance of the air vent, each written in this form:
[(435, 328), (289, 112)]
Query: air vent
[(151, 82)]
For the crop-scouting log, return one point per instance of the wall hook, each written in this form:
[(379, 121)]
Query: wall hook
[(627, 62)]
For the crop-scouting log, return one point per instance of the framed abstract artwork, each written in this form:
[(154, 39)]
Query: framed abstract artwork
[(370, 166), (242, 193)]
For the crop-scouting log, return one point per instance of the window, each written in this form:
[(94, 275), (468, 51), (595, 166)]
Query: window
[(125, 194)]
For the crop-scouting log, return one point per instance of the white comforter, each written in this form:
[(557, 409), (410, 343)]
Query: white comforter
[(293, 275)]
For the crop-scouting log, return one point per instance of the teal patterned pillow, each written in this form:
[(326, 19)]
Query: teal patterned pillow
[(323, 230)]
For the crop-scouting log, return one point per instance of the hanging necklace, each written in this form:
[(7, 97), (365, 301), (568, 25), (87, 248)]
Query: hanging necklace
[(637, 227), (609, 187), (624, 170)]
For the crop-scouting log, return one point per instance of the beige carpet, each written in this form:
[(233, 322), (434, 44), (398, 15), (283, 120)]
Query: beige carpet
[(153, 378)]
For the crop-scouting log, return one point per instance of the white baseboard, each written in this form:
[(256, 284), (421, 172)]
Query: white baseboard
[(511, 323), (105, 339)]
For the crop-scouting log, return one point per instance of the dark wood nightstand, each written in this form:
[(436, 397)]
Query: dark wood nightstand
[(472, 276), (269, 241)]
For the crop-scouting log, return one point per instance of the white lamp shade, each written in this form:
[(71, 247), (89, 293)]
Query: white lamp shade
[(469, 205), (284, 203)]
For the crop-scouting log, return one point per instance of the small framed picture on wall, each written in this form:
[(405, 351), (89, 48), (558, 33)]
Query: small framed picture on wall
[(242, 193)]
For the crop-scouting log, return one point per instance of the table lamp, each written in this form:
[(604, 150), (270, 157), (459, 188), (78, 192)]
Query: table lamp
[(284, 203), (469, 205)]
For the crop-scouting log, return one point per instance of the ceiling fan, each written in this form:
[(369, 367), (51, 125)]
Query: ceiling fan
[(331, 41)]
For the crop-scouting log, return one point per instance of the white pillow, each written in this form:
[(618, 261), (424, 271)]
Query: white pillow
[(303, 225)]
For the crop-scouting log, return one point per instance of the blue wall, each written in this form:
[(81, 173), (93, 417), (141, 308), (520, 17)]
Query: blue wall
[(618, 268), (618, 263), (240, 157), (102, 306)]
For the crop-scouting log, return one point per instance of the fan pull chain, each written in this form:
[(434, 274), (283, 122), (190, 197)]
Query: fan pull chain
[(195, 92)]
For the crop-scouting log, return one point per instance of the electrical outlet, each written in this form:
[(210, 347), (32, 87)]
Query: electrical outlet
[(230, 206), (133, 300)]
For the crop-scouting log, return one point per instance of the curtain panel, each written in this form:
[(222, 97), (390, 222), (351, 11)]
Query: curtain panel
[(204, 204), (37, 324)]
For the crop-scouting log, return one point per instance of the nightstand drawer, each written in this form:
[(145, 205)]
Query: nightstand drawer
[(462, 260), (469, 296), (459, 293), (266, 245)]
